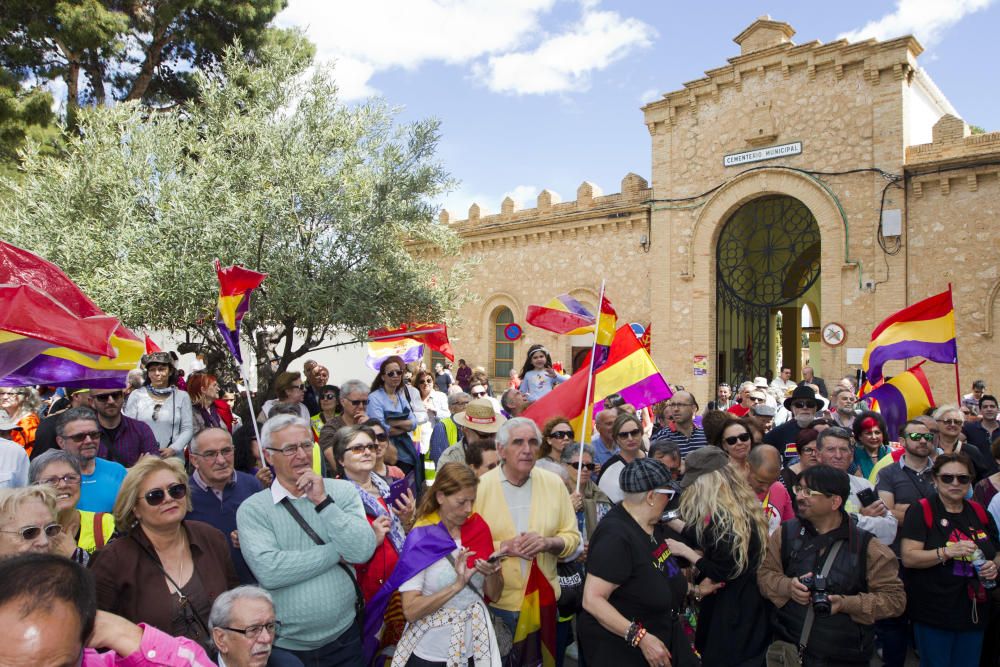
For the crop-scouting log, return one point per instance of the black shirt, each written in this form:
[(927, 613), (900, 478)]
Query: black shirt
[(940, 596), (906, 485), (651, 586), (977, 435)]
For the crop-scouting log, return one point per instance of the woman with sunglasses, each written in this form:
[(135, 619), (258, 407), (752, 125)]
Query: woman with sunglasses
[(389, 405), (165, 571), (28, 521), (872, 444), (635, 586), (590, 503), (558, 433), (950, 420), (805, 445), (949, 549), (21, 405), (329, 408), (82, 532), (736, 440), (161, 405), (627, 432), (388, 473)]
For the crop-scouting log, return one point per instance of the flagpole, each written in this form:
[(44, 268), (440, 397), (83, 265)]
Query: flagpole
[(590, 382), (958, 383), (253, 417)]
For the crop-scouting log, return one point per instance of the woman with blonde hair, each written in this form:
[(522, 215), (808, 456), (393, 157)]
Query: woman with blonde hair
[(28, 521), (724, 536), (446, 569), (166, 571)]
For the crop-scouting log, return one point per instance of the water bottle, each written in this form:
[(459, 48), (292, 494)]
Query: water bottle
[(978, 560)]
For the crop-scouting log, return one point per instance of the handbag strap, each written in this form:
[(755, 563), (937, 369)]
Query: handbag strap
[(831, 555), (468, 584)]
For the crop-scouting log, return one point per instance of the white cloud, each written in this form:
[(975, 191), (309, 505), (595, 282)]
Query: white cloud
[(650, 95), (924, 19), (524, 196), (564, 62)]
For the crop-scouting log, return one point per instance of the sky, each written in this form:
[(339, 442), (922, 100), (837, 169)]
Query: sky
[(546, 94)]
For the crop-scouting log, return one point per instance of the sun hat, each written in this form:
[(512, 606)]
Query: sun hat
[(480, 416)]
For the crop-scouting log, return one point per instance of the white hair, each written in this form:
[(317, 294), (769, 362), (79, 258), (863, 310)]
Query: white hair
[(280, 423), (503, 435), (222, 608)]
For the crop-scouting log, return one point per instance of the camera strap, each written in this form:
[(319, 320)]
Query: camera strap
[(807, 627)]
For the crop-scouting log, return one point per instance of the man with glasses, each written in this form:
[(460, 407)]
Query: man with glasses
[(123, 439), (803, 405), (45, 436), (799, 551), (687, 435), (217, 490), (299, 537), (244, 626), (353, 410), (77, 432)]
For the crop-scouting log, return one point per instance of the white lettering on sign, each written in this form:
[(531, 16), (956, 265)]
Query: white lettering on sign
[(760, 154)]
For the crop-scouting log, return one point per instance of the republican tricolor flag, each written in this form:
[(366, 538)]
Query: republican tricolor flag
[(905, 396), (925, 329), (236, 284)]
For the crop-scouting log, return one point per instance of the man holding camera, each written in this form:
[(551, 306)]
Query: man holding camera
[(828, 579)]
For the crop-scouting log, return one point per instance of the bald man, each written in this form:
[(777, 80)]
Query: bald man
[(763, 475)]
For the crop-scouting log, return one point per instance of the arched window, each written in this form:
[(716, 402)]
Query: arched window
[(503, 349)]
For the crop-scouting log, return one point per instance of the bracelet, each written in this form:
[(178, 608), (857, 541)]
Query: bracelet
[(638, 637), (323, 505), (633, 631), (937, 552)]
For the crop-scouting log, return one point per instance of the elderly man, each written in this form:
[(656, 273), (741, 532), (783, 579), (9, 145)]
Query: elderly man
[(353, 410), (842, 401), (604, 443), (123, 439), (45, 436), (764, 470), (317, 376), (446, 431), (217, 490), (77, 432), (479, 421), (529, 512), (763, 415), (835, 448), (687, 435), (298, 538), (803, 405), (244, 626), (743, 402), (513, 402), (809, 377)]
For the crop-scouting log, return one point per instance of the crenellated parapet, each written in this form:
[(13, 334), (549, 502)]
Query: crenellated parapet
[(954, 158)]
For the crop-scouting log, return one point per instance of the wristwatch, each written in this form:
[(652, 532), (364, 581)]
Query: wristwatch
[(323, 505)]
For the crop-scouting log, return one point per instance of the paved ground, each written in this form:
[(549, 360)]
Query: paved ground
[(911, 660)]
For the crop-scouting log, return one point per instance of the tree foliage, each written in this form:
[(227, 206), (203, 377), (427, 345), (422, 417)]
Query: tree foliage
[(268, 170)]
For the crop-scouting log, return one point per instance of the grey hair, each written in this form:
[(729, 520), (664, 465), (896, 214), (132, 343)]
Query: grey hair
[(503, 435), (574, 448), (74, 415), (457, 396), (222, 608), (37, 466), (352, 386), (837, 432), (506, 397), (745, 384), (280, 423), (196, 448), (945, 409)]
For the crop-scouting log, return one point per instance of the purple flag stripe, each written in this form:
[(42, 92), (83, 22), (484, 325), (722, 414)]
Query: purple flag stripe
[(647, 391), (44, 369), (892, 406), (945, 353)]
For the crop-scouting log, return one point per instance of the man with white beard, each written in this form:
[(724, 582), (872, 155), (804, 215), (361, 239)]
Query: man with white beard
[(803, 405)]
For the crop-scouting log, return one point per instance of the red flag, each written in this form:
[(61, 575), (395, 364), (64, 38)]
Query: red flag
[(151, 346), (647, 337), (432, 334)]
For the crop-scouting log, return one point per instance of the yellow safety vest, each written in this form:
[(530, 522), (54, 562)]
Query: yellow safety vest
[(91, 540), (430, 470), (451, 430)]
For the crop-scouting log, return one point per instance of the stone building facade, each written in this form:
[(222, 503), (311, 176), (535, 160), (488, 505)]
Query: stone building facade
[(799, 192)]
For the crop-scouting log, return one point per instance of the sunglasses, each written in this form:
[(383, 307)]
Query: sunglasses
[(329, 396), (157, 496), (561, 435), (758, 399), (358, 404), (669, 493), (952, 422), (30, 533), (478, 394), (78, 438), (586, 466), (381, 437), (951, 479), (917, 437), (804, 405), (113, 396), (357, 449), (393, 374), (733, 439), (635, 433)]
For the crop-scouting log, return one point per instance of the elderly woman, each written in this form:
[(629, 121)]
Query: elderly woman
[(204, 392), (556, 434), (161, 405), (942, 538), (872, 442), (166, 571), (949, 420), (28, 520), (448, 566), (389, 405), (627, 432), (21, 405), (590, 503), (244, 626), (724, 536), (83, 532), (288, 389), (635, 587)]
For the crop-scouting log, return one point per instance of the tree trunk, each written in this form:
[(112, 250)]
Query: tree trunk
[(72, 92), (153, 55)]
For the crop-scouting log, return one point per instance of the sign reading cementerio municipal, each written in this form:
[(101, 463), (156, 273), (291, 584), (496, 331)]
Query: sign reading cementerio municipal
[(760, 154)]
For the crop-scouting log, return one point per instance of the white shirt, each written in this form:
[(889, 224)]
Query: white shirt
[(610, 482), (995, 508), (13, 465), (882, 527)]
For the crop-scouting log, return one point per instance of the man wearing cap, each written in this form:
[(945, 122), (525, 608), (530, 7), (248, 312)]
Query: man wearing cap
[(446, 430), (45, 436), (478, 421), (688, 436), (763, 415), (803, 405), (123, 439), (857, 597), (528, 510)]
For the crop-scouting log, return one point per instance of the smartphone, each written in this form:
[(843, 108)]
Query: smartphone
[(495, 558), (867, 496), (399, 488)]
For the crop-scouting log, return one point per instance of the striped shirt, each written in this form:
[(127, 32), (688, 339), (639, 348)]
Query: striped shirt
[(684, 443)]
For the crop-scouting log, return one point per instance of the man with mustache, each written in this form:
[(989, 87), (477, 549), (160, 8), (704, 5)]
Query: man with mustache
[(803, 405)]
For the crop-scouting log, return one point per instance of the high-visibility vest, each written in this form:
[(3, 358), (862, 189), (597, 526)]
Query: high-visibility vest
[(451, 430), (430, 470), (96, 529)]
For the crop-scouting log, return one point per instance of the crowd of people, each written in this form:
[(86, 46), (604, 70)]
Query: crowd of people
[(420, 520)]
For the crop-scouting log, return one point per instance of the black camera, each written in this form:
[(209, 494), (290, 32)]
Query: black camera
[(818, 595)]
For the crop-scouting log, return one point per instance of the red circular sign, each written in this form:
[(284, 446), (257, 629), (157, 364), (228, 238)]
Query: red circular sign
[(512, 331)]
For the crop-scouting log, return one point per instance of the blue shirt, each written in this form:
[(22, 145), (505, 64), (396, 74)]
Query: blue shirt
[(602, 453), (207, 506), (99, 490)]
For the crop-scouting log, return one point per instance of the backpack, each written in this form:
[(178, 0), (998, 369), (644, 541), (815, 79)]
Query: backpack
[(925, 505)]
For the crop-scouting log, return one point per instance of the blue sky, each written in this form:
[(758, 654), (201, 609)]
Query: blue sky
[(537, 94)]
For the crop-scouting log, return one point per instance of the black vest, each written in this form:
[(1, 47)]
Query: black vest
[(835, 637)]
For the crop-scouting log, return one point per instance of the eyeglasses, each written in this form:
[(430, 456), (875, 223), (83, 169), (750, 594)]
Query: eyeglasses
[(669, 493), (156, 497), (30, 533), (104, 398), (253, 631), (917, 437), (733, 439), (357, 449), (803, 491), (951, 479), (804, 405), (290, 450), (561, 435), (357, 404), (328, 396), (295, 386), (381, 437), (757, 399), (951, 422), (807, 450), (70, 479), (634, 433), (79, 438), (213, 453), (393, 374), (586, 466)]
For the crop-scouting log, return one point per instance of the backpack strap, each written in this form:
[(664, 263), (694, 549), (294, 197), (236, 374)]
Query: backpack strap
[(980, 513), (99, 529), (925, 505)]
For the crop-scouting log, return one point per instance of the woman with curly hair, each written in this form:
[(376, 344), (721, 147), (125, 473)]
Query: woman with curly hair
[(558, 433), (724, 536)]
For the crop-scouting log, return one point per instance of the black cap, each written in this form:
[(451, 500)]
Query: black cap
[(644, 475)]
